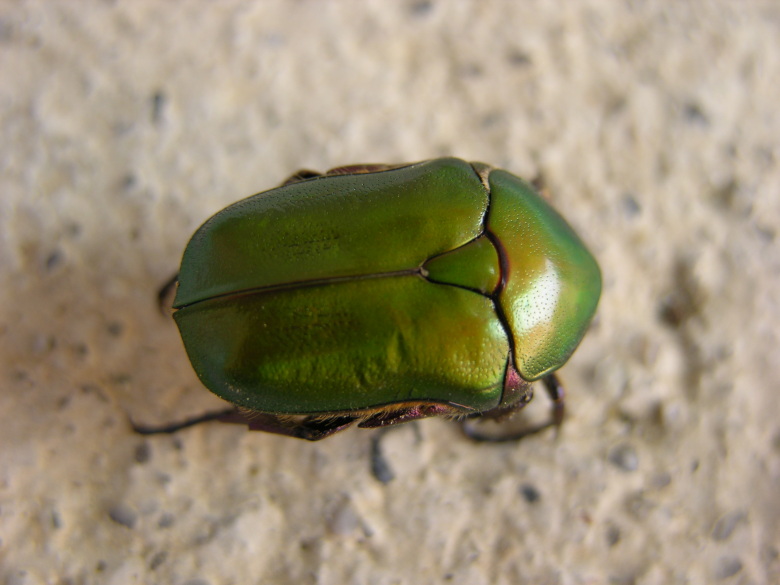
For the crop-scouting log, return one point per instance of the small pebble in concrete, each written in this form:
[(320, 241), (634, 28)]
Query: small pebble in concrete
[(725, 525), (624, 457), (631, 207), (158, 559), (115, 328), (53, 260), (727, 566), (613, 535), (530, 493), (123, 514), (166, 520), (143, 453)]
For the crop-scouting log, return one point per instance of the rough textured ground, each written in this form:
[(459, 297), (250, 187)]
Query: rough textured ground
[(654, 124)]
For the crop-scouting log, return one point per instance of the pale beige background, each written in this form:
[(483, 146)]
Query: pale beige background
[(655, 124)]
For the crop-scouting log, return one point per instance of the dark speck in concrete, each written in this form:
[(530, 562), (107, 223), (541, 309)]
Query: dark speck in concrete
[(158, 107), (613, 535), (129, 181), (624, 457), (694, 114), (166, 520), (115, 328), (143, 453), (421, 8), (639, 506), (123, 514), (491, 119), (530, 493), (631, 207), (518, 58), (725, 194), (661, 480), (472, 70), (726, 566), (54, 260), (726, 525), (158, 559)]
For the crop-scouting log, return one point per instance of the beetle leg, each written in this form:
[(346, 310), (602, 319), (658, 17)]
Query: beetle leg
[(360, 169), (556, 393), (170, 428), (540, 184), (300, 175), (310, 428), (357, 169), (165, 294), (391, 416)]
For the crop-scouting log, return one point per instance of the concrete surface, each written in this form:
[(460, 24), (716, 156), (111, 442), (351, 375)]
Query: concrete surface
[(655, 125)]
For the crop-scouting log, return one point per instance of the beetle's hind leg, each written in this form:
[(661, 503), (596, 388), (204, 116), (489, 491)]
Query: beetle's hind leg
[(556, 393), (308, 428)]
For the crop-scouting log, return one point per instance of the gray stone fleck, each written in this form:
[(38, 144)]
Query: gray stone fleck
[(123, 514), (727, 566), (624, 457)]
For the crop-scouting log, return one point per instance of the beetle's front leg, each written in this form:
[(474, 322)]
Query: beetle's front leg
[(556, 393), (299, 176), (166, 293)]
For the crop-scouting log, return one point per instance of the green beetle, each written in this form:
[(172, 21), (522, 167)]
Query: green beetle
[(380, 294)]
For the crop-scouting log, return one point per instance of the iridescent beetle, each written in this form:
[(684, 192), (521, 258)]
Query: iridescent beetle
[(380, 294)]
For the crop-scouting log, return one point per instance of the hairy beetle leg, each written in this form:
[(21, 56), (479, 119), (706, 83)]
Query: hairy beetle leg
[(556, 393), (390, 416), (299, 176), (314, 428), (310, 429)]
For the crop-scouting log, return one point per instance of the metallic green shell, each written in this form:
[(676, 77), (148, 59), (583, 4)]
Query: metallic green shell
[(552, 283), (347, 292)]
